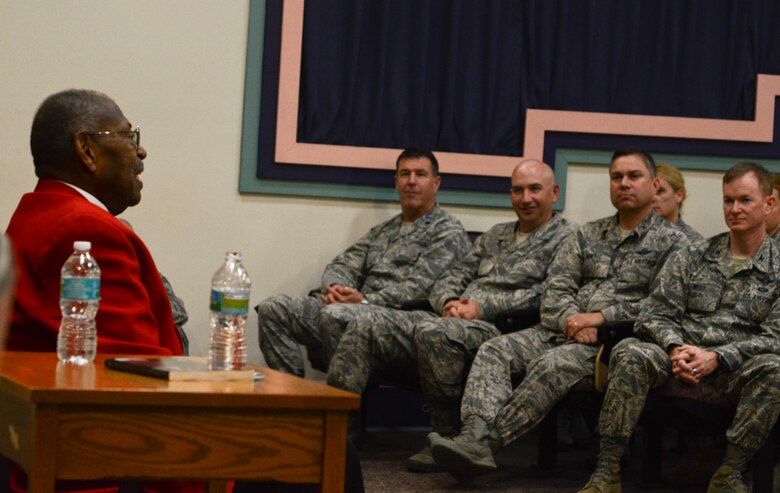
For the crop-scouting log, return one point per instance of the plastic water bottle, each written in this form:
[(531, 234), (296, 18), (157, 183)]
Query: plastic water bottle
[(229, 307), (79, 297)]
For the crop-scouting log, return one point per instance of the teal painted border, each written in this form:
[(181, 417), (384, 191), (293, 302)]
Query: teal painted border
[(565, 157), (248, 181)]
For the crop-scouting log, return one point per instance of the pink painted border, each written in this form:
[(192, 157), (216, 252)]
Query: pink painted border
[(289, 150)]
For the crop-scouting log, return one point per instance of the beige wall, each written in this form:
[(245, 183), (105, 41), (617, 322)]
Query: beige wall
[(177, 68)]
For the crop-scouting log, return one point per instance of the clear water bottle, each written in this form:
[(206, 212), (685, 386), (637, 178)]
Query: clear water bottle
[(79, 297), (229, 308)]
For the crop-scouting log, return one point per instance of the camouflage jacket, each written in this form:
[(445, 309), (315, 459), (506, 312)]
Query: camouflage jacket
[(691, 233), (390, 266), (698, 300), (500, 274), (595, 270)]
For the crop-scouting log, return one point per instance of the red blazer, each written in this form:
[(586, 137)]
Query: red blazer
[(134, 315)]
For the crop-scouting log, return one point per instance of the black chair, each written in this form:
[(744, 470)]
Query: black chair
[(509, 321)]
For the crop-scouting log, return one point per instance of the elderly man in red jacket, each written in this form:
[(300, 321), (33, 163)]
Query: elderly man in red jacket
[(88, 159)]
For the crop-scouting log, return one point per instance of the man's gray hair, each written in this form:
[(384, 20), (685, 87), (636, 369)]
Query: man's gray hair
[(59, 118)]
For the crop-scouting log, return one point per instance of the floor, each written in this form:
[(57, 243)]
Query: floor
[(384, 452)]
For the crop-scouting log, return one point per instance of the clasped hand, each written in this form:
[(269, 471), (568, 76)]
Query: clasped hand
[(583, 327), (337, 293), (461, 308), (690, 363)]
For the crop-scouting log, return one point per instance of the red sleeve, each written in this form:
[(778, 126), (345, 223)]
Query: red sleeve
[(134, 315)]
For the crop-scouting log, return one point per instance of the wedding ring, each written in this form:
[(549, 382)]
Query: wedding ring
[(695, 370)]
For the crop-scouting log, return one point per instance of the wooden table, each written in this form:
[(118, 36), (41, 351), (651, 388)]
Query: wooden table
[(65, 422)]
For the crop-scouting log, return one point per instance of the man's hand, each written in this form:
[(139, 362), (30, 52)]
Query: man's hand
[(461, 308), (588, 335), (690, 363), (337, 293), (450, 308), (580, 321)]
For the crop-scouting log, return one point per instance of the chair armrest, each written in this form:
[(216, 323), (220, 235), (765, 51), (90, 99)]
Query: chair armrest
[(418, 304), (610, 333), (509, 321)]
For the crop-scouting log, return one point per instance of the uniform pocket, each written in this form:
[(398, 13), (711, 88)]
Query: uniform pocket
[(703, 297)]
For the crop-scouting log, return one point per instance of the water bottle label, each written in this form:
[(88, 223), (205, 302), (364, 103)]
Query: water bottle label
[(228, 305), (80, 288)]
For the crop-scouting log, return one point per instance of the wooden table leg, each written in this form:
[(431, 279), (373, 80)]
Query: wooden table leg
[(40, 477), (334, 452)]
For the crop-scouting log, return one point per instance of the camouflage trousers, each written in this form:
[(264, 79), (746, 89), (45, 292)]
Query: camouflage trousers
[(548, 370), (375, 338), (445, 349), (285, 323), (636, 367), (335, 319)]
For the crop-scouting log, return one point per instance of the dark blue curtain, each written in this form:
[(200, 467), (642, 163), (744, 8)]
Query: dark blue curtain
[(458, 75)]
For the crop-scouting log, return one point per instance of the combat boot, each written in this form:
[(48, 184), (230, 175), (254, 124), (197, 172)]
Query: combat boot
[(606, 477), (423, 461), (468, 454), (728, 477), (445, 425)]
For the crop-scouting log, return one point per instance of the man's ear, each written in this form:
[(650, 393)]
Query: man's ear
[(771, 203), (85, 151)]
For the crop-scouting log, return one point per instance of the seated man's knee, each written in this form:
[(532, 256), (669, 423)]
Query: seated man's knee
[(628, 350), (768, 366), (428, 334), (271, 306), (496, 349), (340, 312), (494, 345), (563, 358)]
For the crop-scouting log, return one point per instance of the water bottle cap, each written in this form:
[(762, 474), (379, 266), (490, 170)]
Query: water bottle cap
[(233, 255), (82, 246)]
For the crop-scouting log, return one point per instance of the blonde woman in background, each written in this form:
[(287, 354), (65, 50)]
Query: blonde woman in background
[(667, 203), (773, 219)]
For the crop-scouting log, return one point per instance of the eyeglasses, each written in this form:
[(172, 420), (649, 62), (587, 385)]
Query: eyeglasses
[(134, 134)]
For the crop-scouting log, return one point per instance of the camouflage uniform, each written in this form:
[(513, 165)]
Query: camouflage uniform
[(498, 274), (392, 263), (594, 270), (700, 299), (692, 234), (375, 337), (180, 316)]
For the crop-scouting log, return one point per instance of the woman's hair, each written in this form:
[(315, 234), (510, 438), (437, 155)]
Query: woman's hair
[(673, 176)]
